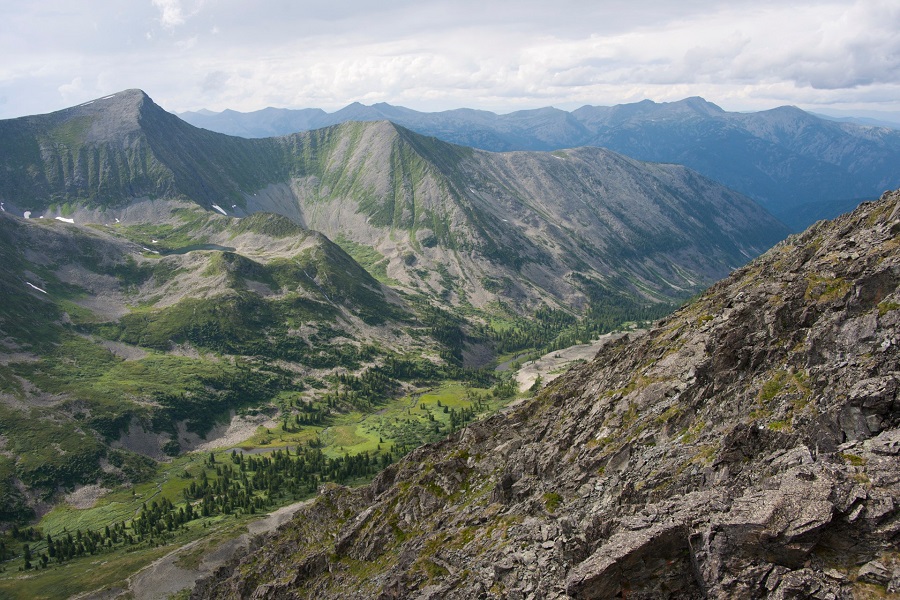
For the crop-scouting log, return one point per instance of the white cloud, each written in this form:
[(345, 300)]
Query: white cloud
[(73, 89), (499, 55), (186, 44), (170, 12), (214, 82)]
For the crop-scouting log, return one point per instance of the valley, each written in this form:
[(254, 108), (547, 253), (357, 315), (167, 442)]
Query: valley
[(172, 561), (745, 446), (199, 329), (412, 420)]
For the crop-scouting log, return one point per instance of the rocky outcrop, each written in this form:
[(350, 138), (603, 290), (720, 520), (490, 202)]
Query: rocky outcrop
[(746, 447)]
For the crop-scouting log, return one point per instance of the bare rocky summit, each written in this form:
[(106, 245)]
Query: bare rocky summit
[(746, 447)]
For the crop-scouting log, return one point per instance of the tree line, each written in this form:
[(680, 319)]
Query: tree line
[(243, 485)]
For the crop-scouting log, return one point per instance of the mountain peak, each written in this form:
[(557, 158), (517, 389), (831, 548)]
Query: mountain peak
[(790, 111), (133, 98), (701, 105), (109, 117)]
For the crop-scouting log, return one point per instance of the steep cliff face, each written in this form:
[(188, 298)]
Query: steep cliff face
[(747, 446), (533, 226)]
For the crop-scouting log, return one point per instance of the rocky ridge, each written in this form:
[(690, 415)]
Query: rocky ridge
[(799, 166), (524, 227), (747, 446)]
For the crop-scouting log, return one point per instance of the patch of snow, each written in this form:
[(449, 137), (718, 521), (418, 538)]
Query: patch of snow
[(1, 207), (41, 217), (65, 220), (27, 214), (559, 157), (35, 287), (220, 209), (86, 103), (154, 242), (108, 97), (117, 220)]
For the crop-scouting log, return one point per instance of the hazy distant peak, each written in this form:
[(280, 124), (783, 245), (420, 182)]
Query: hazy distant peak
[(546, 110), (701, 104), (787, 109)]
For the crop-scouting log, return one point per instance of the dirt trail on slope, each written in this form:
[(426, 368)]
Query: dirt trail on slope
[(164, 576)]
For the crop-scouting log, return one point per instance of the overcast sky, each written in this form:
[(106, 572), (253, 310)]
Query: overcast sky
[(435, 55)]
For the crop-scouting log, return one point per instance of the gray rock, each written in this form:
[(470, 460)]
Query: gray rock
[(875, 572)]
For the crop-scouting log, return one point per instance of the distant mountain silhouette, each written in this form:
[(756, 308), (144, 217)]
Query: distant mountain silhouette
[(784, 158)]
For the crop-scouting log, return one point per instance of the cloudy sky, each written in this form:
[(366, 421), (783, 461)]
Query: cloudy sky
[(432, 55)]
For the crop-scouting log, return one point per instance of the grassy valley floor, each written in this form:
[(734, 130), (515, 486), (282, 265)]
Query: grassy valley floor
[(152, 566)]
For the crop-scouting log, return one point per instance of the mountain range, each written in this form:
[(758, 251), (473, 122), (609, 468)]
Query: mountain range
[(466, 225), (164, 285), (745, 447), (799, 166), (138, 248)]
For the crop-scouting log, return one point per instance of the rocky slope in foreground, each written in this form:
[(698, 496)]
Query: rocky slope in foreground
[(745, 447)]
